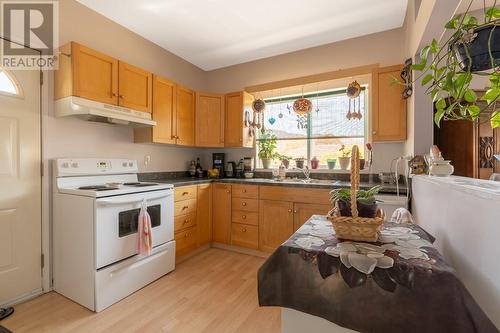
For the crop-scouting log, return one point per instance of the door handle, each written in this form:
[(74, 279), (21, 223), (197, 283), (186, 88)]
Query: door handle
[(116, 201)]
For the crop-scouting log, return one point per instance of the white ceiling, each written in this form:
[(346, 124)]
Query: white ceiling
[(218, 33)]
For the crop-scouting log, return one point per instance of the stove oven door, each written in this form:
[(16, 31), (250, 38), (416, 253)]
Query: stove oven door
[(116, 223)]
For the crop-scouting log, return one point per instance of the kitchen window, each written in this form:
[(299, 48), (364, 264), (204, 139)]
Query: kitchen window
[(322, 132)]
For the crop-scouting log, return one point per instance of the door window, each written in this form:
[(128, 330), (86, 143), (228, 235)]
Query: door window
[(8, 84)]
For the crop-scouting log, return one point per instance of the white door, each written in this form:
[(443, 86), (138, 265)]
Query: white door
[(20, 185)]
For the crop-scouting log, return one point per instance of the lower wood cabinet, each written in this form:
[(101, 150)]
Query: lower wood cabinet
[(221, 214), (275, 223), (185, 241), (245, 235), (303, 211), (204, 214)]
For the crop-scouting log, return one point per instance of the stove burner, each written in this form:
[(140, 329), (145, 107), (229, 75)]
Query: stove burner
[(139, 184)]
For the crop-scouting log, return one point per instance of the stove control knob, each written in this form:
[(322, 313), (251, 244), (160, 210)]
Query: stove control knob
[(74, 165), (130, 164), (65, 165), (124, 164)]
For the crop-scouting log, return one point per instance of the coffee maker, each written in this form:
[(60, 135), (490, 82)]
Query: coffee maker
[(218, 163)]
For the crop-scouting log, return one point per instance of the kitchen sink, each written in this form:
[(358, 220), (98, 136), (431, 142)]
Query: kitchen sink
[(308, 181)]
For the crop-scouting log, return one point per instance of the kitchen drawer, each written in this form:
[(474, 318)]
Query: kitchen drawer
[(248, 205), (241, 216), (182, 222), (185, 192), (245, 191), (184, 207), (295, 194), (185, 241), (245, 235)]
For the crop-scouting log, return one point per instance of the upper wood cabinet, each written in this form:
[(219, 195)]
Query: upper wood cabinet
[(221, 214), (86, 73), (185, 116), (388, 107), (90, 74), (209, 120), (135, 87), (236, 106), (164, 106)]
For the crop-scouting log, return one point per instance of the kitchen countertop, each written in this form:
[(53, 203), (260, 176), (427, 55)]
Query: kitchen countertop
[(323, 184)]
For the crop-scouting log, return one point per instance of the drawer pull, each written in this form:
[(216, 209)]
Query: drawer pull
[(228, 191), (185, 221), (244, 229), (244, 217), (295, 211), (185, 193), (186, 235), (289, 210), (244, 190), (185, 207), (243, 203)]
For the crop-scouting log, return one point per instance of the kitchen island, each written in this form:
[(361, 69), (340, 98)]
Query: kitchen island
[(464, 216), (400, 284)]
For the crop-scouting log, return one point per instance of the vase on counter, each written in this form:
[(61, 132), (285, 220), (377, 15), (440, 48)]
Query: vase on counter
[(344, 162), (441, 168)]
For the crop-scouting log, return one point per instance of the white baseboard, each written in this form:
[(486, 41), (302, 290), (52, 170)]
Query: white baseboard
[(22, 298)]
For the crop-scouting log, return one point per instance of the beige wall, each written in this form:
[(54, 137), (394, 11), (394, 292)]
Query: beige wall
[(68, 137), (383, 48)]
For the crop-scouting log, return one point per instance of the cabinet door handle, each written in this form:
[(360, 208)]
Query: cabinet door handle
[(113, 94), (289, 210), (295, 211), (228, 191), (121, 96), (185, 207), (243, 203), (374, 132), (172, 137), (244, 229), (185, 235), (185, 193), (244, 190), (185, 222), (244, 217)]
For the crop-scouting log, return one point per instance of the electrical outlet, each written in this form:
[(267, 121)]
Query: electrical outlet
[(147, 160)]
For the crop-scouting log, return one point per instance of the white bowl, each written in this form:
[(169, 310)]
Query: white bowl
[(248, 175)]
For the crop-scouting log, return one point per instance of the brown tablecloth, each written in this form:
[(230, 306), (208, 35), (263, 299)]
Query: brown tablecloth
[(415, 295)]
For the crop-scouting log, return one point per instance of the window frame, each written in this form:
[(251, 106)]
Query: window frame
[(309, 137)]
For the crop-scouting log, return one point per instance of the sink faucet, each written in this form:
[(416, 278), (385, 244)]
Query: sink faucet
[(306, 172)]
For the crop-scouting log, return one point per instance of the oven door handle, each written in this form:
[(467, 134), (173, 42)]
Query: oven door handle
[(116, 201)]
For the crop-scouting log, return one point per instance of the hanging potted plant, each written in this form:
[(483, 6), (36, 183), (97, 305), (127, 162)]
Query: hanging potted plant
[(267, 149), (473, 49), (344, 158)]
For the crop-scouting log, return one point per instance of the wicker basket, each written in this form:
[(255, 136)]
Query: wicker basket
[(354, 227)]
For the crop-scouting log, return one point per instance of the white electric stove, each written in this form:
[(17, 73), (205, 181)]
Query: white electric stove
[(95, 212)]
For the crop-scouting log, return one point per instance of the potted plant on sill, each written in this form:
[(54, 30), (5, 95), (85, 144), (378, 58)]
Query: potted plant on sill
[(285, 160), (366, 203), (473, 49), (344, 158), (267, 149), (299, 162)]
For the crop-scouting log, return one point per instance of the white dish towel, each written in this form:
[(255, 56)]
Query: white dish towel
[(144, 235)]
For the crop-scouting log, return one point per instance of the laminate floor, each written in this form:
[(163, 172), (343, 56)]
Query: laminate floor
[(214, 291)]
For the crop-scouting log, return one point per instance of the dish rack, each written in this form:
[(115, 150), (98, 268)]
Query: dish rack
[(355, 227)]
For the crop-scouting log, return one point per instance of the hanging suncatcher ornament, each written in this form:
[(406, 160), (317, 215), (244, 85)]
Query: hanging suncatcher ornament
[(302, 106)]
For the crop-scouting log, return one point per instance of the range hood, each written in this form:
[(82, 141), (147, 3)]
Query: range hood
[(101, 112)]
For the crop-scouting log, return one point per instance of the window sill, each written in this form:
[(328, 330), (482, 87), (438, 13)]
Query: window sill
[(325, 171)]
